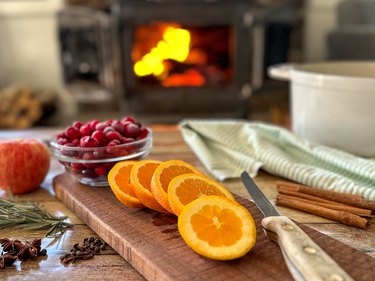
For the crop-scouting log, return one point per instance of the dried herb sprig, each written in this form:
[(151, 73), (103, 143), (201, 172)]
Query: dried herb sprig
[(29, 215)]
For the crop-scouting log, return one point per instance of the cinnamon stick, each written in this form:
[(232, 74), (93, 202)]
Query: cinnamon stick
[(289, 191), (312, 208), (346, 198), (326, 203)]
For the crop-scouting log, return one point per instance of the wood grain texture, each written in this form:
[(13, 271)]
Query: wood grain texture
[(150, 241), (102, 267), (355, 237)]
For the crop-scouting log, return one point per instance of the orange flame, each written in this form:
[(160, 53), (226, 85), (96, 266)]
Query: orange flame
[(175, 45)]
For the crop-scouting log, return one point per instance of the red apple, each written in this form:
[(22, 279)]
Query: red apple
[(23, 165)]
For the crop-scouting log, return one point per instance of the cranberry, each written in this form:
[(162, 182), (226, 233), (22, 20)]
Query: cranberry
[(126, 123), (72, 133), (62, 141), (114, 142), (143, 132), (90, 165), (121, 152), (101, 126), (89, 156), (109, 165), (108, 129), (90, 173), (125, 119), (68, 152), (93, 124), (131, 130), (86, 130), (118, 126), (113, 135), (114, 152), (77, 166), (60, 135), (126, 140), (76, 142), (132, 149), (100, 171), (100, 154), (88, 141), (77, 124), (67, 144), (99, 136), (111, 149)]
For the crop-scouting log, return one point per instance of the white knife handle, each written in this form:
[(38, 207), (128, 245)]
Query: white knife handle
[(304, 258)]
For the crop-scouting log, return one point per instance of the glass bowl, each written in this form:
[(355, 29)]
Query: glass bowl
[(90, 165)]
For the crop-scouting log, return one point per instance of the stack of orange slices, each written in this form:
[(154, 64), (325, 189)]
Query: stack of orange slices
[(210, 221)]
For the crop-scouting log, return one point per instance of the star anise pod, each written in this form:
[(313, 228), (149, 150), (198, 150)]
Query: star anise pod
[(9, 259), (37, 244), (11, 245), (2, 262), (28, 251)]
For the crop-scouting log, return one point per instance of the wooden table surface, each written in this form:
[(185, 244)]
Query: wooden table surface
[(168, 144)]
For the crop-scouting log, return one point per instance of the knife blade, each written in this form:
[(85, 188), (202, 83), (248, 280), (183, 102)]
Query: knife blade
[(305, 260)]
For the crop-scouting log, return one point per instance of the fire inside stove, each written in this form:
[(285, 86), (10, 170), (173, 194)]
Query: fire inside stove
[(172, 55)]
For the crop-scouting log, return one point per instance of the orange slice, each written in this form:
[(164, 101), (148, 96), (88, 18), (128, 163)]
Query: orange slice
[(217, 227), (119, 181), (163, 176), (140, 178), (185, 188)]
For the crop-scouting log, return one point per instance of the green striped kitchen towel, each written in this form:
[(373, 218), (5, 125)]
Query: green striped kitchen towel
[(228, 147)]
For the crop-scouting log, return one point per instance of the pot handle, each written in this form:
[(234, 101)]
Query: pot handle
[(280, 71)]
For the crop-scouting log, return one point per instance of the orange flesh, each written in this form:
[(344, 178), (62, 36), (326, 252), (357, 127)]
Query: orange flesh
[(123, 179), (217, 227), (191, 189), (169, 173), (123, 184), (146, 171)]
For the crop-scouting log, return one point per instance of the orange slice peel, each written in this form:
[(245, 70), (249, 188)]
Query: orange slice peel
[(140, 179), (119, 181)]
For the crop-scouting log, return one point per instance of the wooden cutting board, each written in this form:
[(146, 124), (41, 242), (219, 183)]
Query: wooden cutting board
[(151, 243)]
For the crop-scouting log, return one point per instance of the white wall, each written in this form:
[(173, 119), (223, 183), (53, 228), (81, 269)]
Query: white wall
[(29, 49)]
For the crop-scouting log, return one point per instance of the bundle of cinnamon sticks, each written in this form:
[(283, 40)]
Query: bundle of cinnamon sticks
[(346, 208)]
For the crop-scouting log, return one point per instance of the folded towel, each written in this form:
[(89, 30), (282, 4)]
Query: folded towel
[(228, 147)]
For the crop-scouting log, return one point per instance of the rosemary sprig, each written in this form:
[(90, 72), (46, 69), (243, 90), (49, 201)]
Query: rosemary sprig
[(30, 215)]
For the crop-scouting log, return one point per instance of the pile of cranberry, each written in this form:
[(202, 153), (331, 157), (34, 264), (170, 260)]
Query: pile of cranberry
[(107, 133), (107, 136)]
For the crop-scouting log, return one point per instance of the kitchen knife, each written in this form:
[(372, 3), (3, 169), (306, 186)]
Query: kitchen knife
[(305, 259)]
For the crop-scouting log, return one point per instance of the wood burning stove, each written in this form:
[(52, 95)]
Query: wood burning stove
[(189, 58)]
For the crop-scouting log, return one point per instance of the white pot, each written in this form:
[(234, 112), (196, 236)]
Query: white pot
[(333, 103)]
